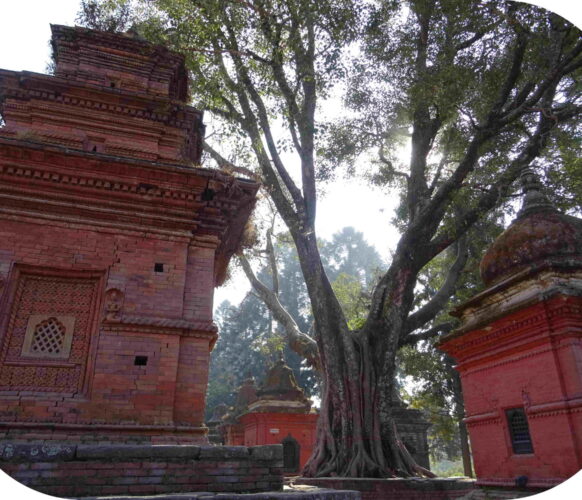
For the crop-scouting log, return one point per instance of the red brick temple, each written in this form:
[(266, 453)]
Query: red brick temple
[(112, 240), (277, 413), (519, 350)]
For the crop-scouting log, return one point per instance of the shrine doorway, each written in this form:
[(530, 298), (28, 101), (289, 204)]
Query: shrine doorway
[(291, 449)]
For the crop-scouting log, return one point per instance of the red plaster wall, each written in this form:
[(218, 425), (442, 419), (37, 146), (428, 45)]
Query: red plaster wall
[(529, 359), (301, 426)]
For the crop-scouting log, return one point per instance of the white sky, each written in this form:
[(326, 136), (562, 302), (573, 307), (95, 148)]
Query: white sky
[(24, 37)]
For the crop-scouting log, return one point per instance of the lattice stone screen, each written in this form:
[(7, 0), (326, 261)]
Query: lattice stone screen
[(46, 344), (48, 336)]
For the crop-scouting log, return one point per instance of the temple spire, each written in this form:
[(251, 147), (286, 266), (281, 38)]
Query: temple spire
[(534, 197)]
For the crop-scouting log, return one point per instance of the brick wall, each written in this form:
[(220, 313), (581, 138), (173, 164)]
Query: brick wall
[(100, 382), (397, 488), (128, 258), (83, 470)]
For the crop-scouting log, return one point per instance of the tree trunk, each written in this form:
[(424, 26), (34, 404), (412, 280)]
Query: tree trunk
[(460, 415), (465, 451), (356, 436)]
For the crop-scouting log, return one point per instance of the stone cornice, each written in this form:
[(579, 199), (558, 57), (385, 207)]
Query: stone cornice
[(174, 202), (171, 326), (543, 274), (522, 335), (24, 86), (500, 301)]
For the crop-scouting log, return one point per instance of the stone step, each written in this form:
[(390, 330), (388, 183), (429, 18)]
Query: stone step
[(286, 494)]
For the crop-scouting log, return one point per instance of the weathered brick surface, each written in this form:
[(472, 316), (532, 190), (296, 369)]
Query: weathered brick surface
[(82, 470), (106, 224), (396, 489)]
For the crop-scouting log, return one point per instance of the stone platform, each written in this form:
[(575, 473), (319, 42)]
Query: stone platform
[(396, 488), (76, 470), (287, 494)]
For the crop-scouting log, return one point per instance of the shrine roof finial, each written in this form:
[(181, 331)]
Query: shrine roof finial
[(539, 236), (534, 197)]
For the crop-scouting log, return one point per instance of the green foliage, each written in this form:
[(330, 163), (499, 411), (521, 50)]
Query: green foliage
[(105, 15), (448, 468), (432, 392), (388, 84)]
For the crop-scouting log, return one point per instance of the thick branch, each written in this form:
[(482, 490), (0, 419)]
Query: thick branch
[(499, 189), (427, 312), (440, 329), (301, 343)]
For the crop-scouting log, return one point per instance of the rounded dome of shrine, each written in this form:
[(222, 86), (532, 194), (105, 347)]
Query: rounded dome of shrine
[(539, 234)]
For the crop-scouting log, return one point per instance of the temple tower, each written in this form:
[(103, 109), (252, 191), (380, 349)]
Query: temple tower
[(112, 239)]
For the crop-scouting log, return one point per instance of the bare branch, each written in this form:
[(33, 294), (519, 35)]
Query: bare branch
[(227, 165), (299, 342), (272, 259), (389, 164), (470, 41)]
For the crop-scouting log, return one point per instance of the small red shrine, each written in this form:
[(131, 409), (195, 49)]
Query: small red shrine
[(277, 413), (519, 350), (111, 243)]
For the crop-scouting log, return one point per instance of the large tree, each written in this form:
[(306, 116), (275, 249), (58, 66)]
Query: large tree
[(249, 339), (479, 88)]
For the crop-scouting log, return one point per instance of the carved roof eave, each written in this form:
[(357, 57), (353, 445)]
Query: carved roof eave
[(557, 265), (221, 219), (526, 288), (279, 406)]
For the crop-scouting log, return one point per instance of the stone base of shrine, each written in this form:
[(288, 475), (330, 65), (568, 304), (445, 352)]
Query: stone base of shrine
[(396, 488), (80, 470), (532, 482), (102, 433)]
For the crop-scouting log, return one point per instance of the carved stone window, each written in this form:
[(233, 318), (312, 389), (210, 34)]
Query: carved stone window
[(48, 336)]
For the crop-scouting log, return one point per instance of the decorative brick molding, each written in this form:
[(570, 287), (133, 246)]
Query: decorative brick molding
[(83, 470), (49, 309)]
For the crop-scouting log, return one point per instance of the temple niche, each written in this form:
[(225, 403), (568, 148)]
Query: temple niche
[(412, 429), (519, 350), (112, 239)]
